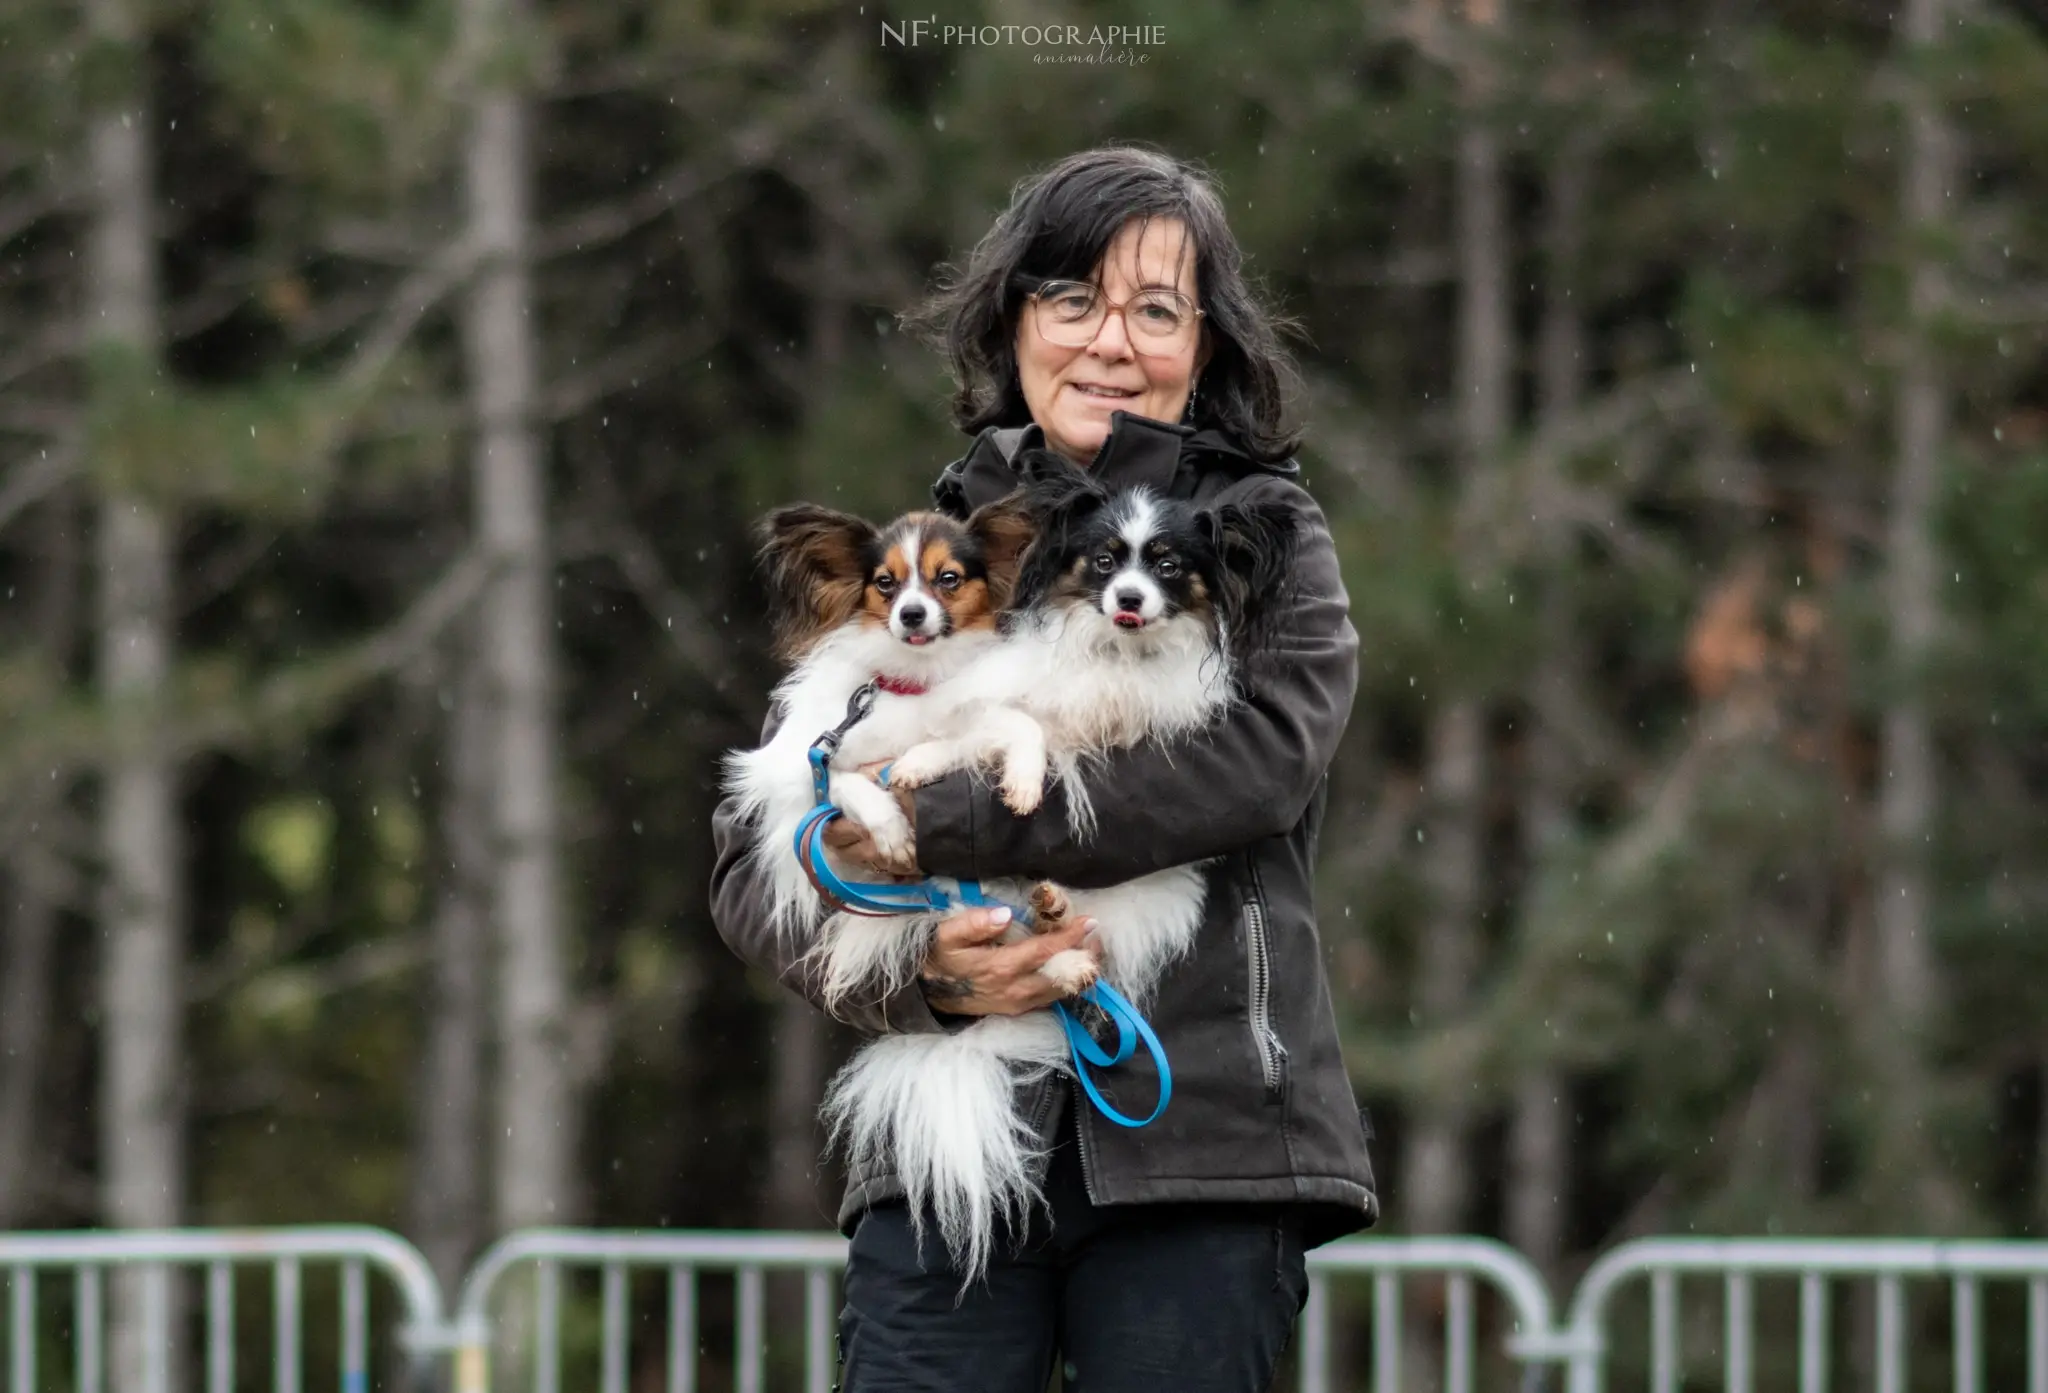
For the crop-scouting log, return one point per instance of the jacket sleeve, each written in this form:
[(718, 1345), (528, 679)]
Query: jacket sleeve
[(739, 903), (1249, 776)]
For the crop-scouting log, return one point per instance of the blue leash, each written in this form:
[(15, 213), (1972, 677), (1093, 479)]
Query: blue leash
[(890, 898)]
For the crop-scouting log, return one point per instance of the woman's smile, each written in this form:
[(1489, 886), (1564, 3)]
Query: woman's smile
[(1109, 396)]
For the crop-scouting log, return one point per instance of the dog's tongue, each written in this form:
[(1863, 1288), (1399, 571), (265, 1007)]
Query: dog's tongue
[(1125, 620)]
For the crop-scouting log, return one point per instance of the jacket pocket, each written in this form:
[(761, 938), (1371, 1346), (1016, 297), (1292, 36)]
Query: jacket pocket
[(1258, 954)]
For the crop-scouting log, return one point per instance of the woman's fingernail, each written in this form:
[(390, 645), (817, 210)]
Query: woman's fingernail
[(1087, 926), (999, 915)]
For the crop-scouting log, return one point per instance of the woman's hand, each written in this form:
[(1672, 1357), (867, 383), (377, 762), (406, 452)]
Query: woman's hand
[(969, 973), (852, 846)]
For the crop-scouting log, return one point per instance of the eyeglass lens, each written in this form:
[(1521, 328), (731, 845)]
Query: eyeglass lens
[(1073, 312)]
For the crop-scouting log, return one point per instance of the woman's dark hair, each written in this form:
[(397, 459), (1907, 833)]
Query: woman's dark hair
[(1059, 225)]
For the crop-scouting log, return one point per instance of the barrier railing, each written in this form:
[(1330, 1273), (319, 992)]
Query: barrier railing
[(145, 1308), (525, 1289), (682, 1258), (1815, 1263), (1464, 1264)]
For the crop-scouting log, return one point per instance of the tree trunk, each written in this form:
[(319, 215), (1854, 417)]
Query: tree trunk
[(28, 933), (1907, 986), (536, 1104), (1907, 799), (2041, 1147), (1539, 1130), (1485, 322), (141, 1103), (1437, 1169), (792, 1199), (1437, 1174), (25, 955), (448, 1213)]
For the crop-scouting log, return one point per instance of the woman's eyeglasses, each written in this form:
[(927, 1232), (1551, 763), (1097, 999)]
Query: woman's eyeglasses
[(1159, 323)]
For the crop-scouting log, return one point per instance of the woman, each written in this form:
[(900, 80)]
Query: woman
[(1105, 316)]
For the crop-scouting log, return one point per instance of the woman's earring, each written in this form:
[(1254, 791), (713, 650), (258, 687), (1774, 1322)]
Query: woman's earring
[(1188, 416)]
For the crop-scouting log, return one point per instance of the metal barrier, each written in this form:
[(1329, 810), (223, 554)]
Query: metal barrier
[(1814, 1262), (748, 1256), (1478, 1276), (1464, 1263), (1461, 1261), (146, 1259)]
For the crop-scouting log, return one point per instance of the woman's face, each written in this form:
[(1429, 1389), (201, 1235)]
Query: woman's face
[(1072, 391)]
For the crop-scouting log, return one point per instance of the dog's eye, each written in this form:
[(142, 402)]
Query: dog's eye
[(1104, 563), (885, 584), (1166, 567), (949, 580)]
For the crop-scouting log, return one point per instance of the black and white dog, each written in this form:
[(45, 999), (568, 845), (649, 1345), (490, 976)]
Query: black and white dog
[(1132, 618)]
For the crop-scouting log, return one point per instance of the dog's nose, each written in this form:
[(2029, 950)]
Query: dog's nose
[(912, 615), (1130, 601)]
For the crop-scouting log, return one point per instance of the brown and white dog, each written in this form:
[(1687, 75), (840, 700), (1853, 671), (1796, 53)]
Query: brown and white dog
[(907, 606)]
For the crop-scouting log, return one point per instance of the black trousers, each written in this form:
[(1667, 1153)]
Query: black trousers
[(1184, 1298)]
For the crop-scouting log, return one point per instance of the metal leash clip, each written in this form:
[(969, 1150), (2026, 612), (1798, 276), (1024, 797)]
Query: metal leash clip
[(827, 745)]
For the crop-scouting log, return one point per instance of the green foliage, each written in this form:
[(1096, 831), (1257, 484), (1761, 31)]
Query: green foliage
[(294, 841), (1996, 530), (1778, 369), (271, 448), (47, 65), (354, 102), (869, 443)]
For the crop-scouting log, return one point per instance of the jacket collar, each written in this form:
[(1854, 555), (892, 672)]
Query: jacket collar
[(1139, 452)]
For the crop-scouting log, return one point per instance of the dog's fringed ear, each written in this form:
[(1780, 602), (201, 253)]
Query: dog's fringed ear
[(1257, 544), (816, 562), (1062, 497), (1038, 465), (1005, 529)]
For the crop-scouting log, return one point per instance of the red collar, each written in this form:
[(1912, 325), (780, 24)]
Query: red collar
[(900, 686)]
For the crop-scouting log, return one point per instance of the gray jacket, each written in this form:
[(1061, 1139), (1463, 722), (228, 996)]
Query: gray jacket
[(1262, 1110)]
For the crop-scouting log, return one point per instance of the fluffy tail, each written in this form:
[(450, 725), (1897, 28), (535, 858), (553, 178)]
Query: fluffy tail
[(940, 1110)]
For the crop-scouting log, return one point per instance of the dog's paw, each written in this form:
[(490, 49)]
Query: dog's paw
[(1048, 904), (1071, 970), (919, 765), (876, 810), (895, 843), (1023, 787)]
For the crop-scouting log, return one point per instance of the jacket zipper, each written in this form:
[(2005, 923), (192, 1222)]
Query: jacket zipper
[(1079, 1103), (1048, 1095), (1045, 1101), (1258, 956)]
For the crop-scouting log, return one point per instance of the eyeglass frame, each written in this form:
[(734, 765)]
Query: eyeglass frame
[(1034, 287)]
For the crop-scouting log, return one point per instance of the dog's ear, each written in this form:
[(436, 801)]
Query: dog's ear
[(1257, 544), (1005, 530), (816, 562), (1053, 483), (1062, 498), (1038, 465)]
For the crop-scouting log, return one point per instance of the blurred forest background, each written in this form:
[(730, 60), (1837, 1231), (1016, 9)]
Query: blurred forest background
[(387, 387)]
